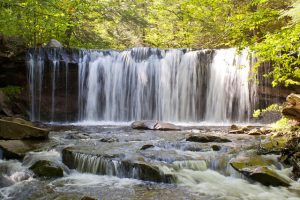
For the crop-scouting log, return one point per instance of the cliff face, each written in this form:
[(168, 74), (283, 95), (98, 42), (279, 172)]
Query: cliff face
[(268, 94), (14, 73)]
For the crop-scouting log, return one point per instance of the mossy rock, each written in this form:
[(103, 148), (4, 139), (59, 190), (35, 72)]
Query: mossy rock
[(10, 130), (257, 169), (46, 168), (273, 145)]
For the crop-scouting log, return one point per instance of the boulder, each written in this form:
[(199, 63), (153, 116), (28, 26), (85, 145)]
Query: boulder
[(215, 147), (257, 169), (11, 130), (53, 43), (163, 126), (206, 139), (17, 149), (154, 125), (46, 168), (145, 125), (292, 108), (234, 127)]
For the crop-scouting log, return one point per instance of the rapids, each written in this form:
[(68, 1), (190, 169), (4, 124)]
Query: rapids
[(198, 171)]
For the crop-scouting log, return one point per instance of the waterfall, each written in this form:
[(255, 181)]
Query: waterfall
[(179, 85)]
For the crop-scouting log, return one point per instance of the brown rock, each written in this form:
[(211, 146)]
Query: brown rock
[(11, 130), (292, 107)]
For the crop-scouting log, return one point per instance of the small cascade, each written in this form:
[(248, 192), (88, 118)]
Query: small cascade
[(106, 165), (179, 85)]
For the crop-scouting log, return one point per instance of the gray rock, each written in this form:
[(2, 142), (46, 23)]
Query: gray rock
[(16, 149), (53, 43), (11, 130), (46, 168), (154, 125), (109, 140)]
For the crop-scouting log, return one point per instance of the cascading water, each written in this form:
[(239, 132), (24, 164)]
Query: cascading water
[(176, 85)]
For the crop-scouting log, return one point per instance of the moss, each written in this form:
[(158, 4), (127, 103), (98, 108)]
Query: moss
[(271, 108), (11, 90)]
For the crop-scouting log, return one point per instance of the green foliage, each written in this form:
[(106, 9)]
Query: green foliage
[(11, 90), (273, 107), (269, 27), (281, 124)]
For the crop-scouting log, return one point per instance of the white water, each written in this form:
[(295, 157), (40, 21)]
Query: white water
[(146, 83)]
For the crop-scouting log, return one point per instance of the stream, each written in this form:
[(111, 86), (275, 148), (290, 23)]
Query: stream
[(192, 170)]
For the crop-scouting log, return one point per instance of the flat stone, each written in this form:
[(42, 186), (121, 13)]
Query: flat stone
[(17, 149), (11, 130)]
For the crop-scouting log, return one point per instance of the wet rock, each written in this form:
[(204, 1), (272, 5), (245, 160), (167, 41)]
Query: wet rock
[(46, 168), (215, 147), (77, 136), (109, 140), (88, 198), (292, 108), (206, 139), (163, 126), (16, 131), (5, 181), (16, 149), (154, 125), (239, 131), (255, 131), (234, 127), (88, 159), (257, 169), (144, 125), (53, 43), (290, 155), (146, 146)]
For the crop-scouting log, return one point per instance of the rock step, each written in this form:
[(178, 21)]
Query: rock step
[(113, 165)]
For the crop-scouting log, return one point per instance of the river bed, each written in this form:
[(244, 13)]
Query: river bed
[(200, 170)]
